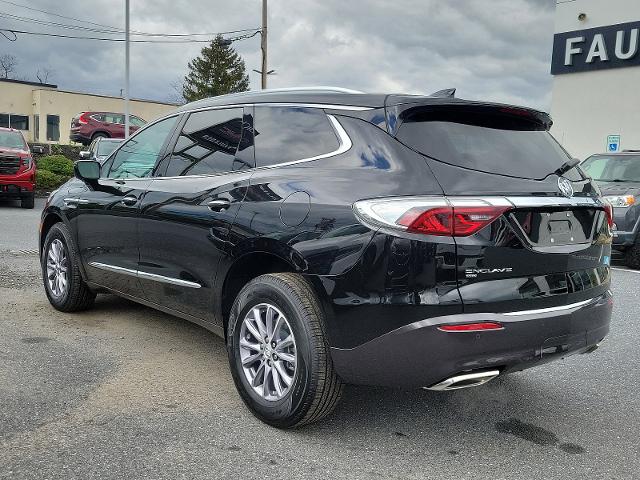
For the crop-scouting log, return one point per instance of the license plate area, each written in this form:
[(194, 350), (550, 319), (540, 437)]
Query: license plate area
[(548, 228)]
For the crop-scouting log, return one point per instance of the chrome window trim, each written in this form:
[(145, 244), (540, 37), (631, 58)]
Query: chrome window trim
[(145, 275), (344, 144)]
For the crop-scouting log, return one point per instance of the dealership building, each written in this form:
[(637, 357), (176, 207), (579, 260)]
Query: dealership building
[(43, 112), (596, 76)]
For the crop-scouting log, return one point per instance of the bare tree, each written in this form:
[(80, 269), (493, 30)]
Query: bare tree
[(8, 65), (44, 73)]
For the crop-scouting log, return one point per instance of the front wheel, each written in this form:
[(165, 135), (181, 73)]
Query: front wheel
[(63, 283), (279, 353)]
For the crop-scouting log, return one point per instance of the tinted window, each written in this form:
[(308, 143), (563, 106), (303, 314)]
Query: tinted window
[(207, 144), (485, 141), (113, 118), (4, 120), (623, 168), (284, 134), (106, 147), (138, 155)]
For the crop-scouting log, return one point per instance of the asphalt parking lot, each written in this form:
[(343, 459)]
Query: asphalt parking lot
[(123, 391)]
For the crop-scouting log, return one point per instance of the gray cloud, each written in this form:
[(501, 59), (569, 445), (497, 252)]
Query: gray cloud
[(498, 50)]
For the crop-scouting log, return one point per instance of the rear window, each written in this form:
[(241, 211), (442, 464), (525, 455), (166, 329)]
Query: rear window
[(11, 140), (494, 142), (286, 134), (623, 168), (105, 148)]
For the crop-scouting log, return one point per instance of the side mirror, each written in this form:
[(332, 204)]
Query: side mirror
[(88, 170), (85, 154)]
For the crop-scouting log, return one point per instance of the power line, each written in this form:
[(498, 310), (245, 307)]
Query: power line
[(106, 28), (58, 15), (104, 39)]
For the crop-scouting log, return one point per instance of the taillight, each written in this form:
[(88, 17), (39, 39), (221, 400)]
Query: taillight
[(608, 209), (84, 118), (452, 216)]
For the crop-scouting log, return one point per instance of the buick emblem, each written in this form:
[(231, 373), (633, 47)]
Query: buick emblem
[(565, 187)]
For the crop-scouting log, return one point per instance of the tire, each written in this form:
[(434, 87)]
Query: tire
[(315, 389), (98, 135), (28, 202), (632, 256), (76, 295)]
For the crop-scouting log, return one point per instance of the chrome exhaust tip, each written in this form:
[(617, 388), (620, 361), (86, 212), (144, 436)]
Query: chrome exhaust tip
[(466, 380)]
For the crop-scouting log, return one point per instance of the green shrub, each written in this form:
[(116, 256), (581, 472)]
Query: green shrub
[(46, 180), (57, 164)]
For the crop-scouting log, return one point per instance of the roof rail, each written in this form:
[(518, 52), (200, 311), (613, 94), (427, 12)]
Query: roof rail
[(316, 89), (312, 89), (446, 93)]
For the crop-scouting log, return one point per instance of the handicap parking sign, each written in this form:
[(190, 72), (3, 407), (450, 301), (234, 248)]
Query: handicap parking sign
[(613, 143)]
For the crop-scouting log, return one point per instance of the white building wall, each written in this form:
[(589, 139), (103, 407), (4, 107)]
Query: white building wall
[(586, 107)]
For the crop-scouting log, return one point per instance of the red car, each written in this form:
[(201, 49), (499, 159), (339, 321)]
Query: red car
[(17, 168), (87, 126)]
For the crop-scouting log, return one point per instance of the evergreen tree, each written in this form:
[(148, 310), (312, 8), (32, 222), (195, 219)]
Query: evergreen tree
[(218, 70)]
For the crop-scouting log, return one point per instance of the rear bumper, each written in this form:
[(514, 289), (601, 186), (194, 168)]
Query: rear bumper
[(79, 138), (420, 355)]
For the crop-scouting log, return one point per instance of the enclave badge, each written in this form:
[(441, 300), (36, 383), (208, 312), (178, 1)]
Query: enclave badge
[(565, 187)]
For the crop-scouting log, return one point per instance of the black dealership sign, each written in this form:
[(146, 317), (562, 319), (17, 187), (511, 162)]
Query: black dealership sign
[(613, 46)]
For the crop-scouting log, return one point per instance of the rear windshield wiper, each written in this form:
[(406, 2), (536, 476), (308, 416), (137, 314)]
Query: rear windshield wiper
[(566, 166)]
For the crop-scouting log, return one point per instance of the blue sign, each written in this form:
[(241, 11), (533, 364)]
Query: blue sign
[(613, 143)]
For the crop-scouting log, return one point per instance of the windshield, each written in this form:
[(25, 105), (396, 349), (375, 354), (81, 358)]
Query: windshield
[(11, 140), (105, 148), (623, 168), (493, 143)]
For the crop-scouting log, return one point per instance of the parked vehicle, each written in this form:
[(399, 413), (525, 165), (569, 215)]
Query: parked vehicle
[(100, 148), (618, 176), (17, 168), (87, 126), (334, 237)]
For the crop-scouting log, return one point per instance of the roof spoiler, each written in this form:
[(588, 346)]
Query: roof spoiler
[(446, 93)]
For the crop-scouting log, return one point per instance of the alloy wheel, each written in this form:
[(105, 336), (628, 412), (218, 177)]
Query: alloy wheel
[(57, 268), (268, 351)]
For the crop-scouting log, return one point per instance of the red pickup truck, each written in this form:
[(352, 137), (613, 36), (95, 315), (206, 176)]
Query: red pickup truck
[(17, 168)]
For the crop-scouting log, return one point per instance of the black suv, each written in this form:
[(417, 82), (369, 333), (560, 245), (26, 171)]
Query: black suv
[(333, 237), (618, 175)]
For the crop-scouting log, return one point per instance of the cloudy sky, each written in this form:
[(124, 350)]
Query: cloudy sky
[(489, 49)]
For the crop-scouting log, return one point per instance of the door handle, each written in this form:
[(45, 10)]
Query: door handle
[(218, 205), (129, 200)]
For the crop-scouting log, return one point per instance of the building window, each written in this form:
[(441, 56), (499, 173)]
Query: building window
[(36, 128), (12, 120), (53, 128), (19, 122)]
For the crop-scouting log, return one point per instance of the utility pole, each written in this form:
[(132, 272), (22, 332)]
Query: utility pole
[(126, 70), (263, 44)]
